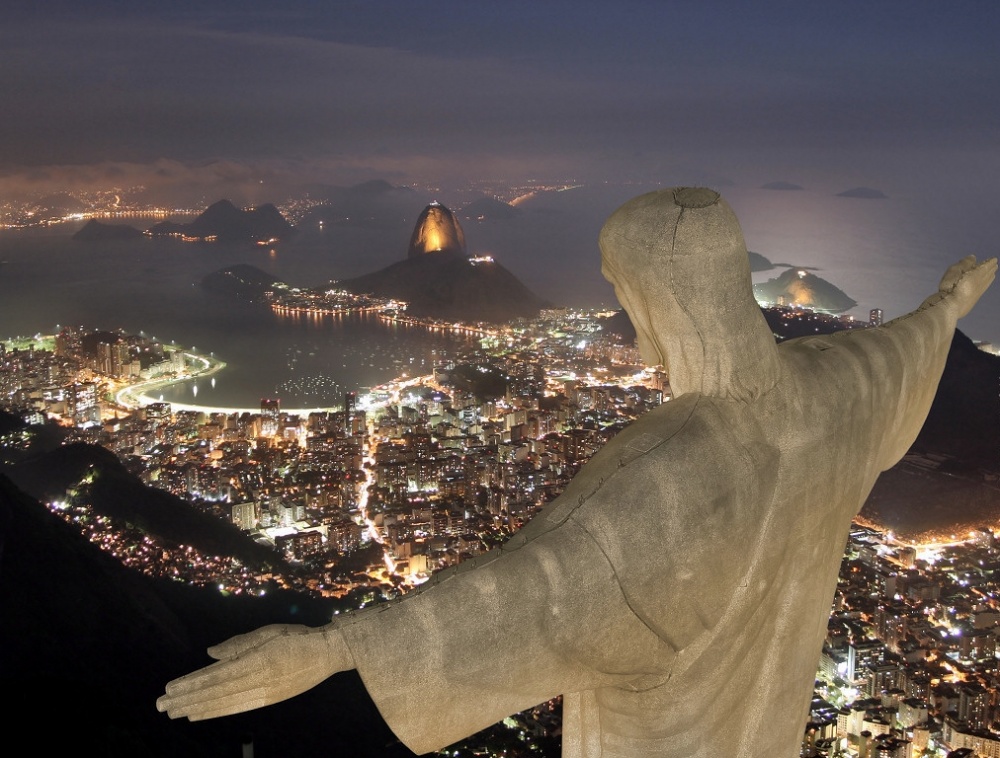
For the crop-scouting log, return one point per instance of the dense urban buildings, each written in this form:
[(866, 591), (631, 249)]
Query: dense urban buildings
[(425, 472)]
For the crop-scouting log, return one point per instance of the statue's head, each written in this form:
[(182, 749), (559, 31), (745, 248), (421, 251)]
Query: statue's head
[(679, 265)]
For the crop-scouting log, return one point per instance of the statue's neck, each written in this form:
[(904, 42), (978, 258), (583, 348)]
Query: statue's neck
[(733, 355)]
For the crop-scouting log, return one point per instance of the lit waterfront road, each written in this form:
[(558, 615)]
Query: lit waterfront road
[(141, 394), (196, 365)]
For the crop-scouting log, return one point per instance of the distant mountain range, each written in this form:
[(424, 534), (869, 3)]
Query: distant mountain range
[(227, 223), (221, 221)]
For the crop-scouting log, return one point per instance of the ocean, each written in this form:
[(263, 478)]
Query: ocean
[(152, 286)]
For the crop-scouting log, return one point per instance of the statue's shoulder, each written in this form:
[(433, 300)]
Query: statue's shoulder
[(647, 437), (838, 359)]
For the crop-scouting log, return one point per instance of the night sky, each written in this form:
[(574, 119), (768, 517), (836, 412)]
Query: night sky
[(870, 93)]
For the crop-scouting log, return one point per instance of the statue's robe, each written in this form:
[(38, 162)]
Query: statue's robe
[(677, 593)]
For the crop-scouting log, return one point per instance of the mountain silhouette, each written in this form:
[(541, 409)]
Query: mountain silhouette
[(451, 287), (798, 286), (242, 280), (227, 223), (95, 231), (438, 280), (89, 645)]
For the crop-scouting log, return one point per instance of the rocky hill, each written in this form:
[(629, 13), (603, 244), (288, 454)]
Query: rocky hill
[(95, 231), (797, 286), (89, 645), (242, 280), (441, 285), (225, 222)]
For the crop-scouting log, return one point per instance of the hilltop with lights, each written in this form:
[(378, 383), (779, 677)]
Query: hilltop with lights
[(438, 278), (800, 287)]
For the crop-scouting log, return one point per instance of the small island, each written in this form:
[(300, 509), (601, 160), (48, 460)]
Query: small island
[(799, 287)]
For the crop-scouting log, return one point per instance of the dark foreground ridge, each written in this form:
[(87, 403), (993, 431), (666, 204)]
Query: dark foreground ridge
[(89, 645)]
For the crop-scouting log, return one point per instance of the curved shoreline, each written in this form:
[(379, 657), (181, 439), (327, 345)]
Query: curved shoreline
[(137, 395)]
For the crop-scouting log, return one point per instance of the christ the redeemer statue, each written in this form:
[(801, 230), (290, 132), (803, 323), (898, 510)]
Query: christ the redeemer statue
[(677, 593)]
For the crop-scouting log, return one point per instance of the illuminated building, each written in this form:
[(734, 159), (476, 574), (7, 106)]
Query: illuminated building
[(270, 415), (875, 317), (300, 545), (345, 535), (862, 655), (437, 231), (244, 515), (115, 359), (81, 403), (350, 403), (158, 413)]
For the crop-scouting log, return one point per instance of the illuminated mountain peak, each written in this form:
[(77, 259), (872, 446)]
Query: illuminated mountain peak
[(437, 230)]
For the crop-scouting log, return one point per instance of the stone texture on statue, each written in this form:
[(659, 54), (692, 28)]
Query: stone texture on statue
[(677, 593)]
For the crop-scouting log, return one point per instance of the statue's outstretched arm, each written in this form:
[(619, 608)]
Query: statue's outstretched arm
[(482, 642), (256, 669), (963, 284), (909, 354)]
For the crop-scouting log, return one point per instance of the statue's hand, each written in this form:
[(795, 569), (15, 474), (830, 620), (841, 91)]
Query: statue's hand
[(263, 667), (964, 282)]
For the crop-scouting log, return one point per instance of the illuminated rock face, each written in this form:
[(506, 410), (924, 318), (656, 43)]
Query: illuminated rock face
[(437, 230)]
